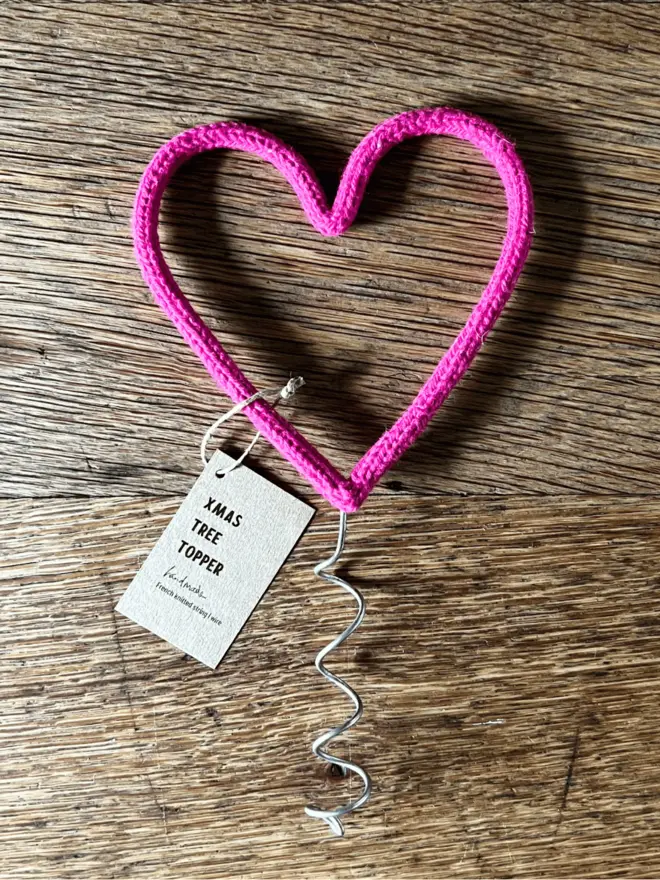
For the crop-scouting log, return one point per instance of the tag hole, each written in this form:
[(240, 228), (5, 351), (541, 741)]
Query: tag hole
[(219, 474), (336, 771)]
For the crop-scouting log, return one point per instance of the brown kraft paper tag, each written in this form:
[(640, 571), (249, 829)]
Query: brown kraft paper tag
[(215, 560)]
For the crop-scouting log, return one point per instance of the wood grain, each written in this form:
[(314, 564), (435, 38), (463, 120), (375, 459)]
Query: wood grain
[(509, 665), (509, 660), (564, 397)]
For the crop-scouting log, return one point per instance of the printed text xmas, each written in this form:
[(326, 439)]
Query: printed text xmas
[(209, 534)]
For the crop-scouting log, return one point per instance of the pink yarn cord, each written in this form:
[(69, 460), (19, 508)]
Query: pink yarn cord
[(347, 494)]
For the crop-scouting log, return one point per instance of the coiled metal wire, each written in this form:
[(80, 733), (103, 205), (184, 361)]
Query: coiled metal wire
[(333, 817)]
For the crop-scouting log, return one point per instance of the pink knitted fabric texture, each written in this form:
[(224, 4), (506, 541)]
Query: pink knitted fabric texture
[(345, 493)]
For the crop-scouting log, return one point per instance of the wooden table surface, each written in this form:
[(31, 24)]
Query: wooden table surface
[(510, 658)]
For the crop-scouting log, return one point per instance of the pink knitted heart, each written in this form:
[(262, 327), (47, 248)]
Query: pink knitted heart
[(345, 493)]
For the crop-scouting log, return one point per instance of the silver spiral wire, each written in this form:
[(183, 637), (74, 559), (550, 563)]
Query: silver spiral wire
[(333, 817)]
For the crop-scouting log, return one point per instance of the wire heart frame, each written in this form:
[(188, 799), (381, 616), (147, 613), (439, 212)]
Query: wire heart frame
[(345, 493)]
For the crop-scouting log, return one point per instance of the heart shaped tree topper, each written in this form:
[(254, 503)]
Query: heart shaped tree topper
[(345, 493)]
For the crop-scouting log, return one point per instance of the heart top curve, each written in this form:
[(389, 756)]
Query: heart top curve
[(345, 493)]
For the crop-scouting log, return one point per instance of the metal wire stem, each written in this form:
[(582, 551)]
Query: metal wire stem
[(333, 817)]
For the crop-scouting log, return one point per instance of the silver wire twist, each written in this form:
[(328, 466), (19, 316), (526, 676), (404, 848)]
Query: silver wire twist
[(285, 393), (333, 817)]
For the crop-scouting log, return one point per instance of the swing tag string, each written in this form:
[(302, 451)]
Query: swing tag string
[(277, 393)]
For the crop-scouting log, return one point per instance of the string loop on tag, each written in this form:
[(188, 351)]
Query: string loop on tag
[(333, 817), (278, 393)]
